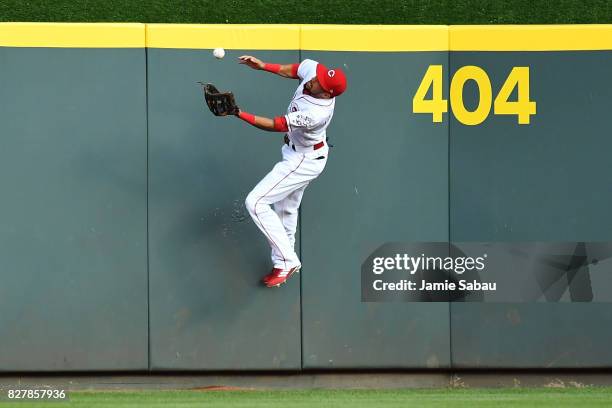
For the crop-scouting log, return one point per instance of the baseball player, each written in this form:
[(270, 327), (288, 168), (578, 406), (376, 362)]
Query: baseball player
[(304, 157)]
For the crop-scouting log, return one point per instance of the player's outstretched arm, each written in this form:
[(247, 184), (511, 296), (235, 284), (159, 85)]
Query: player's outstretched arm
[(278, 124), (284, 70)]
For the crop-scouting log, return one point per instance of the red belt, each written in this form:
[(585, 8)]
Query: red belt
[(316, 146)]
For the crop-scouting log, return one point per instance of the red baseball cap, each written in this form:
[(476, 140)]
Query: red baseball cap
[(332, 80)]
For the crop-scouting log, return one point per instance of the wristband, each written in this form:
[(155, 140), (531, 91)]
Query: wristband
[(247, 117), (275, 68)]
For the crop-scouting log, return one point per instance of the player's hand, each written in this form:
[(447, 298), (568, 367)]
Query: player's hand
[(251, 62)]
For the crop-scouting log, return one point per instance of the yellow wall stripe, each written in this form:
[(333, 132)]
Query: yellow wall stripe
[(72, 35), (531, 38), (378, 38), (230, 36)]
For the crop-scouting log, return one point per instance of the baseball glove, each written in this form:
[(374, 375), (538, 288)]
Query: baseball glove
[(219, 103)]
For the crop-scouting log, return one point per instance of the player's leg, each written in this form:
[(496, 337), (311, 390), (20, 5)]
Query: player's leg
[(287, 210), (281, 181)]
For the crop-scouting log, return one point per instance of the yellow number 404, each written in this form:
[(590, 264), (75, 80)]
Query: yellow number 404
[(436, 105)]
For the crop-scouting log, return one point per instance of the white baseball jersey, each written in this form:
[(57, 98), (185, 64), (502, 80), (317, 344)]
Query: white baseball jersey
[(308, 117)]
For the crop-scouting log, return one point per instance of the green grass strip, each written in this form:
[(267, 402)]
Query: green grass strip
[(422, 398), (312, 12)]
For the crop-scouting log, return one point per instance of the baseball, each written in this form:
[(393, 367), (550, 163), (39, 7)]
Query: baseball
[(219, 53)]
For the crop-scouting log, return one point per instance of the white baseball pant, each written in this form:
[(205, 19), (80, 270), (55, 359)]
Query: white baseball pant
[(283, 187)]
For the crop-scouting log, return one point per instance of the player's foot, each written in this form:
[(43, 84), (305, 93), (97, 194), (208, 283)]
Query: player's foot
[(274, 272), (279, 276)]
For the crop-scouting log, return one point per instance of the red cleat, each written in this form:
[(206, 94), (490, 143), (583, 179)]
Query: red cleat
[(279, 276), (273, 273)]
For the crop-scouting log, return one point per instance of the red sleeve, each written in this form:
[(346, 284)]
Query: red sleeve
[(294, 70), (280, 124)]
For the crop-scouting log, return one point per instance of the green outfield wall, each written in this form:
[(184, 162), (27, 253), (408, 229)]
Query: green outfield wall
[(546, 181), (73, 235), (125, 243), (207, 307), (368, 194)]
